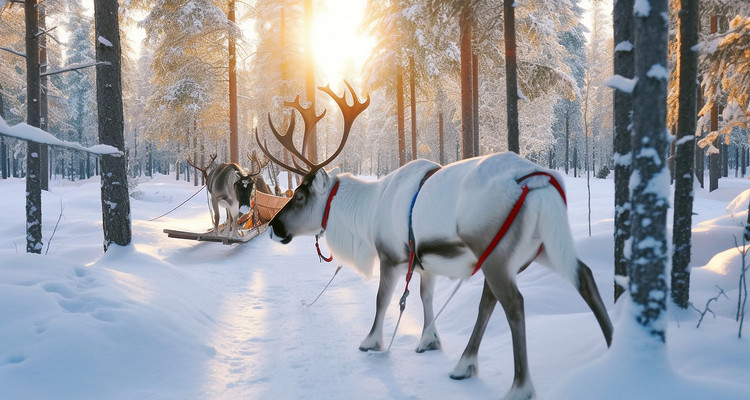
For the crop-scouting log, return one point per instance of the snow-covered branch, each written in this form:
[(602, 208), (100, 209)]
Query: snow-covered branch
[(621, 83), (29, 133)]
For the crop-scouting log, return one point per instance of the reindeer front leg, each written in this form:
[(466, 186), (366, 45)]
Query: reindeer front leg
[(374, 340), (429, 340)]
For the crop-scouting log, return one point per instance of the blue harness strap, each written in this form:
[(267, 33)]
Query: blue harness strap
[(412, 242)]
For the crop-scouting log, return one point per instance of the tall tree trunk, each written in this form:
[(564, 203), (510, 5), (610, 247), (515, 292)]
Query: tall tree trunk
[(623, 106), (3, 146), (511, 75), (234, 147), (567, 141), (312, 145), (177, 161), (650, 179), (33, 92), (467, 116), (43, 102), (114, 176), (413, 100), (714, 157), (441, 138), (685, 153), (400, 116), (475, 100)]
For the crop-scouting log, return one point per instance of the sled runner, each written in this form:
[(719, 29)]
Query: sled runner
[(209, 236)]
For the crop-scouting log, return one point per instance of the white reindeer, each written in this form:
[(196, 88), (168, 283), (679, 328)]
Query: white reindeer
[(455, 216)]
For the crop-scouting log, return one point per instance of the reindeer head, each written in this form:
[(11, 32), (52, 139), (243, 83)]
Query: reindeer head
[(303, 214)]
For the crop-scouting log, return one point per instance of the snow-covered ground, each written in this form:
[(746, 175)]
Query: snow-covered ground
[(175, 319)]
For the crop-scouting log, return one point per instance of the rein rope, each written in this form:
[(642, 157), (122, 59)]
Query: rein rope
[(179, 205)]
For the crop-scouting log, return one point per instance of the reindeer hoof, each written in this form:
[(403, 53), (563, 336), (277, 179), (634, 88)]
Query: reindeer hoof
[(521, 392), (433, 344), (373, 348), (370, 344), (466, 368)]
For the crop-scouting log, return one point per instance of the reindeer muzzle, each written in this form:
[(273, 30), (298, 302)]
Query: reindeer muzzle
[(278, 232)]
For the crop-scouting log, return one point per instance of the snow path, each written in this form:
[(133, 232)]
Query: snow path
[(268, 344)]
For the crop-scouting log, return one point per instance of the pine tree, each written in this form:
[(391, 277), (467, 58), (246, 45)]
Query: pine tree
[(190, 92), (79, 85), (568, 118)]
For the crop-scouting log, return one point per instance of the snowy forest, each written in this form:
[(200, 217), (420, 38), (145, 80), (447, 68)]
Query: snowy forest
[(176, 80), (647, 101)]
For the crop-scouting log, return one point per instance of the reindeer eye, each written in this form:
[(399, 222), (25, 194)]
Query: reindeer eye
[(299, 196)]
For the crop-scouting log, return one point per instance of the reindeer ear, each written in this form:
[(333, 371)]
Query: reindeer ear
[(321, 182)]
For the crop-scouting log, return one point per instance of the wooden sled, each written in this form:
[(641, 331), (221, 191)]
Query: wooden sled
[(268, 205), (251, 225)]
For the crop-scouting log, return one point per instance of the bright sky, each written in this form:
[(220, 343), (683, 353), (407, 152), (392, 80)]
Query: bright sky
[(339, 47)]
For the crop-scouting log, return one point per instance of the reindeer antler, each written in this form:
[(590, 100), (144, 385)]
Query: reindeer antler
[(311, 119), (203, 170), (255, 161)]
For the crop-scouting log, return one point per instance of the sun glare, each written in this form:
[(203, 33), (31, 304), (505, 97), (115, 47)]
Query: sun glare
[(340, 50)]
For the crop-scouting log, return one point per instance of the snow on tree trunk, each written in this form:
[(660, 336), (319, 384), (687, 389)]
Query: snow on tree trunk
[(649, 180), (114, 179), (33, 165), (685, 153), (623, 106), (511, 75)]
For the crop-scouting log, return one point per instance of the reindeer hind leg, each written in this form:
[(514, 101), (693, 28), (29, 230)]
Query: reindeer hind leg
[(506, 291), (215, 216)]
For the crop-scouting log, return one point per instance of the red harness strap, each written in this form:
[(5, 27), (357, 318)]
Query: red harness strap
[(324, 223), (514, 213)]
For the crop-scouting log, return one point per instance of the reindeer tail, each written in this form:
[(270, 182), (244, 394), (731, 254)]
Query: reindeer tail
[(554, 229), (559, 253)]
